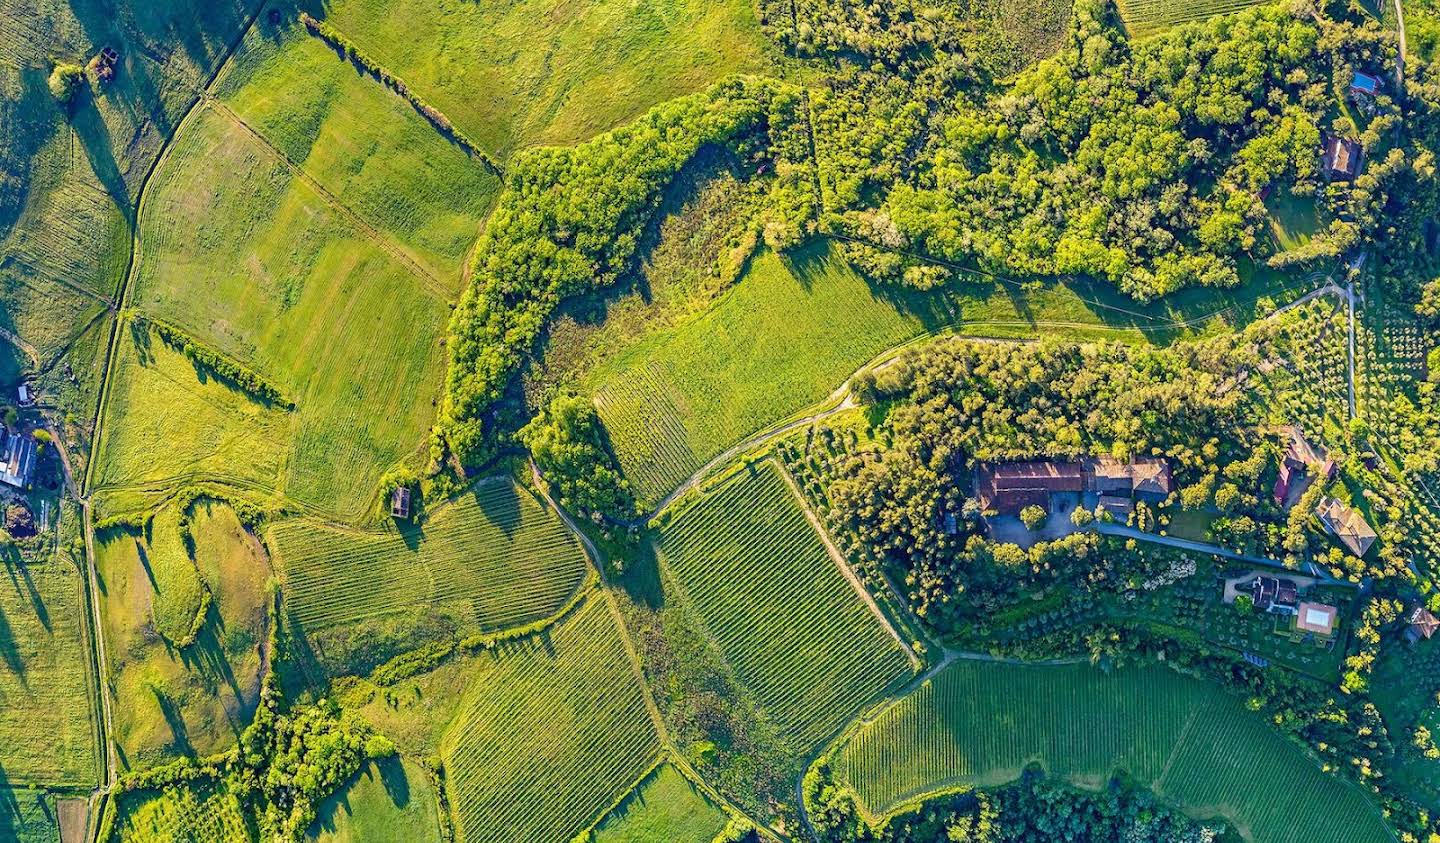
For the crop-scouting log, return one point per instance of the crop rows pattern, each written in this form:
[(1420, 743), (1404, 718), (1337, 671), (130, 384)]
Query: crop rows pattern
[(496, 547), (981, 723), (647, 430), (558, 730), (789, 624), (180, 813), (1151, 17)]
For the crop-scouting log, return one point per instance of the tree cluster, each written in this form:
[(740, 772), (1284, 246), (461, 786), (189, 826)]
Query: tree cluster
[(568, 444)]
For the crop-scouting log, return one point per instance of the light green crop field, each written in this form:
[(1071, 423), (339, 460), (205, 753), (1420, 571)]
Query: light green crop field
[(196, 814), (795, 327), (360, 142), (28, 816), (665, 808), (196, 700), (43, 664), (556, 731), (979, 724), (389, 800), (754, 572), (259, 263), (1151, 17), (496, 548), (520, 73)]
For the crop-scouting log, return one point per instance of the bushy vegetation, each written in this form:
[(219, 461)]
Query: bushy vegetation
[(569, 218), (569, 446)]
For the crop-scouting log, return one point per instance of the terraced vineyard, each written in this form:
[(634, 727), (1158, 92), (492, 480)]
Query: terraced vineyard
[(557, 731), (496, 548), (979, 724), (1151, 17), (751, 568)]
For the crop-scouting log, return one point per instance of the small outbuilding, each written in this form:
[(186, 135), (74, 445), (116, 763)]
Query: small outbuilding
[(26, 395), (1366, 84), (400, 503), (1318, 618), (1421, 624)]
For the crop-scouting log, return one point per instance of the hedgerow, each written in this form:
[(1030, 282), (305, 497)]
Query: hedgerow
[(215, 360)]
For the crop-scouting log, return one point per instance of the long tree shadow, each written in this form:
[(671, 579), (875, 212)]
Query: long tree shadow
[(175, 720), (14, 661)]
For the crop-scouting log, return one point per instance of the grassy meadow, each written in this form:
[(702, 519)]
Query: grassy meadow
[(530, 72), (495, 556), (554, 731), (43, 682), (389, 800), (195, 700), (980, 724), (746, 562), (258, 263), (666, 808)]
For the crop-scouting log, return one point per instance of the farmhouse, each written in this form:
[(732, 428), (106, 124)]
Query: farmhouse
[(1010, 487), (1347, 525), (1273, 594), (17, 459), (400, 503), (1420, 624), (1342, 157), (1300, 455), (1318, 618), (1146, 477), (1118, 507)]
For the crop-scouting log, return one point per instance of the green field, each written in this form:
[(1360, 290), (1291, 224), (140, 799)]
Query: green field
[(665, 808), (28, 816), (360, 142), (979, 724), (796, 327), (43, 686), (388, 800), (196, 700), (1151, 17), (196, 814), (556, 731), (516, 74), (257, 262), (753, 571), (496, 549)]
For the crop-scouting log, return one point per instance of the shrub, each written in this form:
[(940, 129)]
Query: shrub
[(66, 82)]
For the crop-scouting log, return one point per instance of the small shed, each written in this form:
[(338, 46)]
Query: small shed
[(1421, 624), (400, 503), (104, 63), (26, 395)]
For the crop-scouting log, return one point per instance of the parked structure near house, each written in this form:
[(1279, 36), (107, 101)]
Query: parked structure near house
[(1341, 157), (1365, 84), (1347, 525), (1318, 618), (17, 459), (1275, 595), (1010, 487), (400, 503), (1421, 624)]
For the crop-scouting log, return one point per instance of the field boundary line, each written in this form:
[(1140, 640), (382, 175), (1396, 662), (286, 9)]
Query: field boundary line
[(844, 567), (73, 286), (431, 282)]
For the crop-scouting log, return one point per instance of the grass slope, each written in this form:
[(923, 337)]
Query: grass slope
[(43, 662), (665, 808), (495, 556), (195, 701), (525, 72), (979, 724), (389, 800), (749, 565), (556, 730), (256, 261), (361, 142)]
